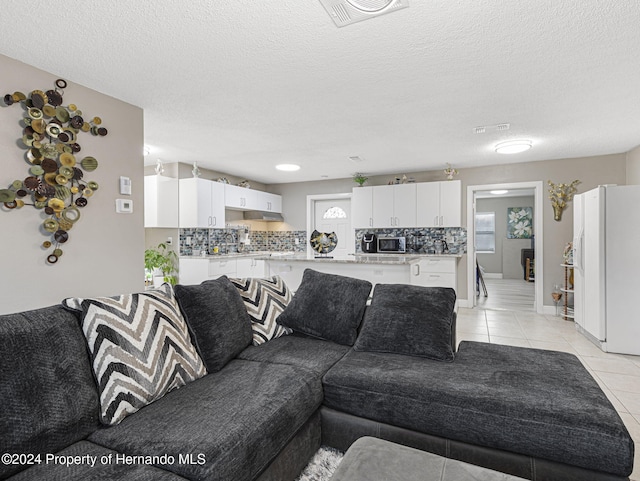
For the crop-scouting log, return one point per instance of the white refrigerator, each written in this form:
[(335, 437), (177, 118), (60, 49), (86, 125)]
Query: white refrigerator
[(606, 229)]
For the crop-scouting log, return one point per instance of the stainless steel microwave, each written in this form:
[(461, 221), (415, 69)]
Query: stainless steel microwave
[(392, 245)]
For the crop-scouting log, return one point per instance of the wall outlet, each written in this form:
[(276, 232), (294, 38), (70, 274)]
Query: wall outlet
[(169, 241)]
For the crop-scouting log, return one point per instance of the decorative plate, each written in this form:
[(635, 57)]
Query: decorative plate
[(322, 242)]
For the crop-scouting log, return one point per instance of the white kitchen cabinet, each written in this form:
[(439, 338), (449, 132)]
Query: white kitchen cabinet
[(434, 272), (160, 201), (250, 267), (362, 207), (222, 267), (394, 205), (267, 202), (240, 198), (439, 204), (201, 203)]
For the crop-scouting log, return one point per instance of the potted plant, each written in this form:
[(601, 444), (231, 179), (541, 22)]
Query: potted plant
[(359, 178), (161, 259)]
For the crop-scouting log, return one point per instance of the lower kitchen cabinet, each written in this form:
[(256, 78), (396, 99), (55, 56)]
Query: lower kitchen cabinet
[(197, 269), (434, 272), (249, 267)]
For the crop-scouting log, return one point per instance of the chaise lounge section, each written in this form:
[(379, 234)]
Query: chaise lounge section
[(261, 411)]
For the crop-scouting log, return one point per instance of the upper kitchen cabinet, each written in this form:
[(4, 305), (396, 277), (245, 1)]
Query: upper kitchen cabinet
[(384, 206), (268, 202), (439, 204), (202, 203), (160, 201), (240, 198), (362, 207), (394, 205)]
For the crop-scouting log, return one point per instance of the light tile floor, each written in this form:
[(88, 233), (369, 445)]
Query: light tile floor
[(618, 375)]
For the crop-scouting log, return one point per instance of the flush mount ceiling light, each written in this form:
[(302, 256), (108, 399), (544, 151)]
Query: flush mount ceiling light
[(499, 192), (513, 146), (346, 12), (288, 167)]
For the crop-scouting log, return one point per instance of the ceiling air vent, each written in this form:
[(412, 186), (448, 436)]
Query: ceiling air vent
[(346, 12)]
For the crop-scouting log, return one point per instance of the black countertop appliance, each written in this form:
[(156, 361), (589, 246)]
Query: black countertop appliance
[(369, 243)]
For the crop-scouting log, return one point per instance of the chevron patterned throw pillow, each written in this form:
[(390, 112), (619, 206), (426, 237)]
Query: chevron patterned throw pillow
[(140, 349), (264, 299)]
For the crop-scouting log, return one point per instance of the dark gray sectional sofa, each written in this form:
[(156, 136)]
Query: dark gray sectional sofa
[(262, 414)]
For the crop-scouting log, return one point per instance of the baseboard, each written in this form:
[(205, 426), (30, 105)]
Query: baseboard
[(492, 275)]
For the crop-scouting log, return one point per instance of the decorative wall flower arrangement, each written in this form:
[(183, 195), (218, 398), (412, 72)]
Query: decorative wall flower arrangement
[(55, 185)]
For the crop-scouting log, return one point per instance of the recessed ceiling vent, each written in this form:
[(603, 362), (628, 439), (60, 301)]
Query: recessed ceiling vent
[(346, 12)]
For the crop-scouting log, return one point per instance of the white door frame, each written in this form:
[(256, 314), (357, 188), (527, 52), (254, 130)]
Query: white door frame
[(311, 203), (538, 242)]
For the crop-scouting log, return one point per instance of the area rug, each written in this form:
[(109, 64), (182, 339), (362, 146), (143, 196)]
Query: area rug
[(322, 465)]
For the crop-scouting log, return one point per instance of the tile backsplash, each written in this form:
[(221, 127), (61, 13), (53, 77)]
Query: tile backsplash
[(194, 241), (421, 240)]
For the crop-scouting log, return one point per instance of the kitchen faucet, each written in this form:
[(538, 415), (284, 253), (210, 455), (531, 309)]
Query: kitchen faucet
[(228, 236)]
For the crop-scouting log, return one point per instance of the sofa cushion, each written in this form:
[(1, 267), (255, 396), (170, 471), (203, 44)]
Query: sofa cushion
[(264, 299), (48, 396), (411, 320), (327, 306), (216, 314), (95, 463), (539, 403), (140, 349), (311, 354), (237, 419)]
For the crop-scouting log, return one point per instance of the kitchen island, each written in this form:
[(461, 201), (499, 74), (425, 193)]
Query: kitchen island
[(416, 269)]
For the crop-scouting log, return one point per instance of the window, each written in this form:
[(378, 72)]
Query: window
[(485, 232), (334, 213)]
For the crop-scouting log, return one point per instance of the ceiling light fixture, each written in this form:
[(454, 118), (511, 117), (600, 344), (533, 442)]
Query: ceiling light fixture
[(498, 192), (288, 167), (513, 146), (345, 12)]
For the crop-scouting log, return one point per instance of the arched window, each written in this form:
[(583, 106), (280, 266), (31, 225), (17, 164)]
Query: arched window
[(334, 213)]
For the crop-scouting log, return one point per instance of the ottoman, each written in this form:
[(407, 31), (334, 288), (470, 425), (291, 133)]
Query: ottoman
[(373, 459)]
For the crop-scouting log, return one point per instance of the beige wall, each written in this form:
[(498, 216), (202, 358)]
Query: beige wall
[(591, 171), (633, 166), (104, 254)]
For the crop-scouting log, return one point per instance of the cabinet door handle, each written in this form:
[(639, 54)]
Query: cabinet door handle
[(215, 221), (370, 221), (416, 269), (435, 220), (441, 220), (209, 221), (397, 222), (391, 219)]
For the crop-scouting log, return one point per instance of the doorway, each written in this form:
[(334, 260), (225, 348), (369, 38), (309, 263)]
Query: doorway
[(500, 242), (331, 213)]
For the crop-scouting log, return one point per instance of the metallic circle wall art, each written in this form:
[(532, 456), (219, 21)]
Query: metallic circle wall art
[(49, 133)]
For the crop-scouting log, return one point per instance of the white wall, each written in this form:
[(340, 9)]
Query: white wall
[(104, 254), (633, 166)]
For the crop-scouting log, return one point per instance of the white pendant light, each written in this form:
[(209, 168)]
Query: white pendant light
[(513, 146)]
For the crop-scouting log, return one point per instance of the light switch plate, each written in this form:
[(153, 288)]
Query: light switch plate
[(125, 185), (124, 206)]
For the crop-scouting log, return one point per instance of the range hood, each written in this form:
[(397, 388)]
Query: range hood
[(263, 215)]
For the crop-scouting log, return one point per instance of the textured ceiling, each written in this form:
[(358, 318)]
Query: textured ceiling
[(243, 85)]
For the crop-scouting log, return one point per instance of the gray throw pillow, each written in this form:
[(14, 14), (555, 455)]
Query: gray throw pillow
[(410, 320), (327, 306), (216, 314)]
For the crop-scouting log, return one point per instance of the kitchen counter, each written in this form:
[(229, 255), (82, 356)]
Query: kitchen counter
[(303, 257)]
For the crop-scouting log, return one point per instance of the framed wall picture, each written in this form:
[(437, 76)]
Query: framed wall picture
[(519, 222)]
